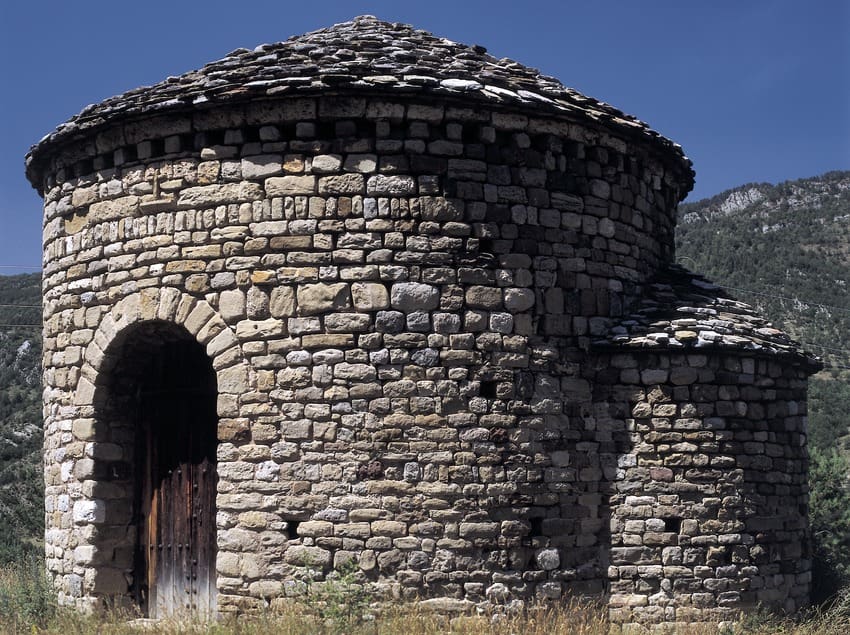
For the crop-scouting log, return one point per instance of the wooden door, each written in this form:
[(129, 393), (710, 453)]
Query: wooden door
[(177, 478)]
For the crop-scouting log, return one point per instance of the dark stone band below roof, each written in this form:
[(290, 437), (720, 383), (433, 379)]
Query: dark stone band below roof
[(362, 55)]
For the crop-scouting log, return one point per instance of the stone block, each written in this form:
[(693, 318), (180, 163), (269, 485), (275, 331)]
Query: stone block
[(342, 184), (413, 296), (478, 530), (390, 185), (304, 556), (259, 329), (325, 163), (290, 185), (261, 166), (204, 196), (518, 300), (363, 163), (481, 297), (282, 302), (89, 511), (369, 296), (323, 298), (233, 380), (115, 209)]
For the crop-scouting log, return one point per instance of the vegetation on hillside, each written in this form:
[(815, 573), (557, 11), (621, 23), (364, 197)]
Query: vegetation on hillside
[(21, 482), (782, 248)]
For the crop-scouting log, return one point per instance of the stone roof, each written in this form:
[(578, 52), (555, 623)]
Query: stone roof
[(364, 54), (682, 311)]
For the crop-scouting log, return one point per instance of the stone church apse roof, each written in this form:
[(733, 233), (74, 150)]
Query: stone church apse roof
[(362, 55), (682, 311)]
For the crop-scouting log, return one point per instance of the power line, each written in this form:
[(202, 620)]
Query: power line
[(781, 297), (827, 348), (20, 267), (22, 306)]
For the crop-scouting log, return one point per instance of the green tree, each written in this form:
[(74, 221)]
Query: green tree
[(829, 513)]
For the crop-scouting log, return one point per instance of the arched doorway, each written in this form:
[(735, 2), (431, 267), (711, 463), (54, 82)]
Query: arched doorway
[(164, 385)]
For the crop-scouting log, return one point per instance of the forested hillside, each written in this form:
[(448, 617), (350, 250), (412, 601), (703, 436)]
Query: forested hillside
[(21, 485), (784, 248)]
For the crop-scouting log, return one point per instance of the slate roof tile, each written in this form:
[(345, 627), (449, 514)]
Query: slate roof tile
[(682, 310)]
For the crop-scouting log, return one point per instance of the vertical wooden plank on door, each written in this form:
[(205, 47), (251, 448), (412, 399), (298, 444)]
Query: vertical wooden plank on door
[(150, 502), (182, 518), (164, 574), (204, 519)]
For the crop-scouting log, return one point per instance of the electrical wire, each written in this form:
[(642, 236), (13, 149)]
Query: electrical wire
[(780, 297)]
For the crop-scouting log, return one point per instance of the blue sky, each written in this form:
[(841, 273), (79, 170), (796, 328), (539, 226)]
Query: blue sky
[(755, 90)]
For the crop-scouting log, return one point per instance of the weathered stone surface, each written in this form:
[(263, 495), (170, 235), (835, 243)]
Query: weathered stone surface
[(326, 163), (342, 184), (260, 166), (113, 209), (369, 296), (258, 329), (484, 297), (231, 305), (282, 302), (321, 298), (390, 185), (412, 296), (548, 559), (290, 185), (518, 300), (89, 511), (211, 195)]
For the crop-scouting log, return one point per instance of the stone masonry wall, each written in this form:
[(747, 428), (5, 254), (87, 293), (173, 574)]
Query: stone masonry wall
[(709, 514), (398, 301)]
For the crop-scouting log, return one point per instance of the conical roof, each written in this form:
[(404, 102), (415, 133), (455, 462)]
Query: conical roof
[(364, 54)]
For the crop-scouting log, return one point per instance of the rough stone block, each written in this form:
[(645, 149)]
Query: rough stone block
[(369, 296), (413, 296), (322, 298), (290, 185)]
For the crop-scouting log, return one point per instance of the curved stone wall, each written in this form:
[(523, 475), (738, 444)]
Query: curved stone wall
[(398, 301)]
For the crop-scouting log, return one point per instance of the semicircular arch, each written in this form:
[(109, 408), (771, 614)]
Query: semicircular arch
[(173, 306)]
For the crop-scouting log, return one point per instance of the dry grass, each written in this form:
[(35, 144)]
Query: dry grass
[(26, 606), (298, 619)]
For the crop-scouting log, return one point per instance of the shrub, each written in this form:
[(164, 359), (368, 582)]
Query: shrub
[(829, 513), (27, 601)]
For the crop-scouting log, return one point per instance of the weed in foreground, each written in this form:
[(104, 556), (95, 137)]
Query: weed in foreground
[(27, 601)]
